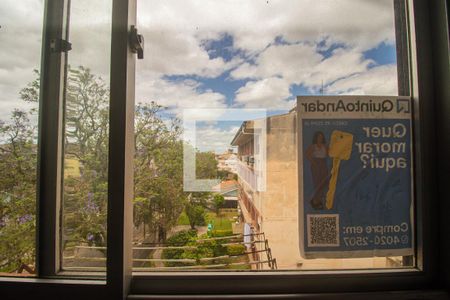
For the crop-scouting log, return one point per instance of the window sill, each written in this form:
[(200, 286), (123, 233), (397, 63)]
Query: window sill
[(280, 282), (394, 295)]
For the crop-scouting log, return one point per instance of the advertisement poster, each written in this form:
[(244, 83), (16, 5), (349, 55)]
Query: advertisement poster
[(355, 176)]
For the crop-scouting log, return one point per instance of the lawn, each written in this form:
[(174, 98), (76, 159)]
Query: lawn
[(183, 219), (221, 222), (71, 168)]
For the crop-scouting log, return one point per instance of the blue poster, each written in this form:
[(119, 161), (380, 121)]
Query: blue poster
[(355, 176)]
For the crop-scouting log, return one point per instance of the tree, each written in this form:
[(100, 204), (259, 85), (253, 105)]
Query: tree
[(197, 202), (196, 214), (206, 165), (18, 158), (86, 142), (218, 202), (159, 195), (195, 208)]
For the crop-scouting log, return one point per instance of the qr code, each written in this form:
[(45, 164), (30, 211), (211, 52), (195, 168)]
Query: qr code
[(323, 230)]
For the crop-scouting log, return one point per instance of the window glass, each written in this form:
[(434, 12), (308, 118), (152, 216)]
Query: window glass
[(217, 124), (86, 115), (20, 37)]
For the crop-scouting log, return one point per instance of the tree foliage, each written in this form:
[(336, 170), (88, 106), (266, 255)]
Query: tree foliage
[(206, 165), (196, 214), (158, 163), (18, 158), (159, 195), (86, 142), (218, 202)]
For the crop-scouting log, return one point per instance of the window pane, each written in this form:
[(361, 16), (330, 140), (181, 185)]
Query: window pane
[(20, 37), (216, 168), (86, 137)]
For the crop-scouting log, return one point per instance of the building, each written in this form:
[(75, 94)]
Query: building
[(268, 199), (229, 190), (227, 161), (268, 193)]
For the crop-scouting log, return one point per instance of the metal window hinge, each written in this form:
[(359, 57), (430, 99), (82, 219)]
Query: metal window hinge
[(136, 42), (60, 45)]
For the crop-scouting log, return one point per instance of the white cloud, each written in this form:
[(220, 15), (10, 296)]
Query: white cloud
[(355, 23), (176, 53), (21, 43), (381, 80), (20, 33), (90, 35), (254, 24), (20, 40), (341, 64), (287, 61), (176, 30), (270, 93), (301, 64), (212, 138), (176, 95), (279, 66)]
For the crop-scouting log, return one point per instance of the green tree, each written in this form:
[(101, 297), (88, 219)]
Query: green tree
[(158, 181), (206, 165), (86, 142), (197, 202), (159, 196), (196, 214), (218, 202), (18, 161), (18, 157)]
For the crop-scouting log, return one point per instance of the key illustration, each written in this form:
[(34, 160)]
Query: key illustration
[(340, 149)]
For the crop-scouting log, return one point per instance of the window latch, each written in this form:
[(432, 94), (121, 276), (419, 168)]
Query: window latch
[(60, 45), (136, 42)]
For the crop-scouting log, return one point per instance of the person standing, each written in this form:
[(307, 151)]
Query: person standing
[(317, 154)]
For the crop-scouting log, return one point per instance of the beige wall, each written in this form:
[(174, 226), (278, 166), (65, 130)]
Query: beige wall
[(279, 203)]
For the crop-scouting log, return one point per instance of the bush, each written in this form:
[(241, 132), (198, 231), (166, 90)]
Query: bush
[(204, 248), (181, 238), (221, 233), (235, 249), (208, 248)]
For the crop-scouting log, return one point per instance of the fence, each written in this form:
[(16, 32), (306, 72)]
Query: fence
[(217, 262)]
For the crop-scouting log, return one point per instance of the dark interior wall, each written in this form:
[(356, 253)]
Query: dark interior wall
[(440, 36)]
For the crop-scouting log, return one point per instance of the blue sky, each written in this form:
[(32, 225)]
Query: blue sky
[(221, 56), (382, 54)]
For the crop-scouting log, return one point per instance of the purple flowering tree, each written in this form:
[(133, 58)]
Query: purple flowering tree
[(18, 157)]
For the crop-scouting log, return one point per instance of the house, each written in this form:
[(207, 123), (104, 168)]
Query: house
[(229, 190), (227, 161)]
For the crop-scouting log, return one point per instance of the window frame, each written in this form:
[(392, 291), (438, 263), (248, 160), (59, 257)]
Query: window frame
[(416, 62), (50, 152), (427, 60)]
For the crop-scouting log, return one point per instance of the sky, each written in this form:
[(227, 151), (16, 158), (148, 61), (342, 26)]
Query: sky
[(220, 54)]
